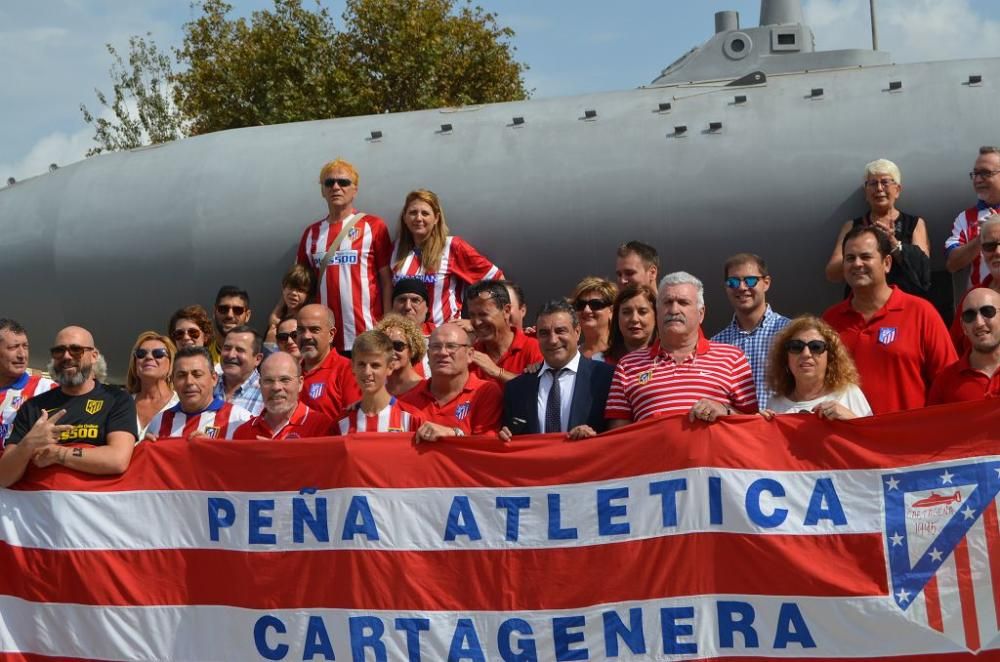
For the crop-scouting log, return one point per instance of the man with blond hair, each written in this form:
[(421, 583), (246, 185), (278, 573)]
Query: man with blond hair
[(349, 254)]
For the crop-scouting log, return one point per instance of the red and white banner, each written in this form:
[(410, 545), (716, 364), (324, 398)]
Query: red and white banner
[(746, 539)]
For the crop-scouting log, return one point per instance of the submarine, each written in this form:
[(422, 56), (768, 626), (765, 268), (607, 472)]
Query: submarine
[(754, 140)]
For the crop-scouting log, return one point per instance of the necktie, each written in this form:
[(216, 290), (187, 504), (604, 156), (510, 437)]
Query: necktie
[(553, 405)]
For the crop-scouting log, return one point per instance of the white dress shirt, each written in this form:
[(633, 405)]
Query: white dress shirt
[(567, 382)]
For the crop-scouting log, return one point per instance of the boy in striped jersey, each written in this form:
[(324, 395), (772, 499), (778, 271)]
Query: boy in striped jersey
[(377, 411), (199, 413), (16, 384)]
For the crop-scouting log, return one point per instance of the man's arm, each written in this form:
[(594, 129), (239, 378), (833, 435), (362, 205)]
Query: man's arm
[(962, 256), (110, 459), (615, 423)]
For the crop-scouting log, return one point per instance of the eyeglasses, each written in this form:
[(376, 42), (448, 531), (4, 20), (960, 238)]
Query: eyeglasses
[(876, 183), (193, 333), (342, 182), (797, 346), (285, 336), (983, 174), (989, 246), (733, 282), (595, 304), (450, 347), (223, 309), (76, 351), (969, 314), (158, 353), (399, 345)]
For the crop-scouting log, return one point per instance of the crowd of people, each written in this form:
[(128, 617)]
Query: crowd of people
[(423, 335)]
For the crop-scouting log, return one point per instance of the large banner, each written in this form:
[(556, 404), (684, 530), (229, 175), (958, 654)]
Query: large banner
[(746, 539)]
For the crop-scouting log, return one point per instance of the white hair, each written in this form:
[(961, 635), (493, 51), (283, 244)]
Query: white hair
[(683, 278), (883, 167), (989, 221)]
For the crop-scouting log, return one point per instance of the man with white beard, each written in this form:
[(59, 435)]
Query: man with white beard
[(97, 420)]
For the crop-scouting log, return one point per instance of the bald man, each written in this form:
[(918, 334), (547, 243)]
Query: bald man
[(284, 417), (82, 424), (974, 376)]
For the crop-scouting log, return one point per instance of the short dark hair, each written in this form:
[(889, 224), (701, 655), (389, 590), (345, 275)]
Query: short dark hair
[(559, 306), (989, 149), (745, 258), (646, 253), (884, 247), (257, 343), (7, 324), (231, 291), (192, 351), (517, 290), (493, 289)]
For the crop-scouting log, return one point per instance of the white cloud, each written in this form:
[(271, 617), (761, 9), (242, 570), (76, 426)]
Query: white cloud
[(911, 30), (57, 147)]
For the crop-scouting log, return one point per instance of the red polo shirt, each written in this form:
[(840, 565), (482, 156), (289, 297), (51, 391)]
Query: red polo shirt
[(523, 351), (898, 352), (960, 382), (304, 422), (477, 409), (330, 386)]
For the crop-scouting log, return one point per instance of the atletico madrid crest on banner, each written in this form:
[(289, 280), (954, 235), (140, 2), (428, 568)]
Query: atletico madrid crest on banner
[(943, 543)]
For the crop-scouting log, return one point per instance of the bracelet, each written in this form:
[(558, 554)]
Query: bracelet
[(458, 432)]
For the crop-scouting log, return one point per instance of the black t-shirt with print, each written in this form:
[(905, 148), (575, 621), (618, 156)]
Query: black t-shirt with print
[(93, 415)]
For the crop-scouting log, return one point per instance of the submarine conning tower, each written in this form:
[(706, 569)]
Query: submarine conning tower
[(782, 43)]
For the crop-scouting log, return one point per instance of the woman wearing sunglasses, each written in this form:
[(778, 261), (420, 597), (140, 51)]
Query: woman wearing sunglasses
[(409, 350), (190, 327), (593, 299), (633, 321), (148, 378), (810, 371)]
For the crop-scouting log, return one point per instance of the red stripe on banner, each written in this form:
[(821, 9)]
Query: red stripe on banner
[(456, 580), (35, 657), (932, 598), (655, 446), (992, 526), (967, 596)]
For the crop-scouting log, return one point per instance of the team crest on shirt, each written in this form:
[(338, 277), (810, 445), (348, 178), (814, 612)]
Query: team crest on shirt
[(354, 233), (462, 410), (940, 537), (93, 406), (886, 335), (212, 432), (644, 377), (315, 391), (15, 402)]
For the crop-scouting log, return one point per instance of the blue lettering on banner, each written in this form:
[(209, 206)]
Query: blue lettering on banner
[(527, 651), (562, 638), (754, 512), (260, 631), (632, 636), (413, 627), (221, 514), (366, 634), (259, 521), (607, 511), (668, 489), (792, 628), (303, 517), (673, 631), (461, 521), (736, 617), (465, 643), (556, 531), (317, 640), (513, 506), (359, 520), (715, 500), (825, 504)]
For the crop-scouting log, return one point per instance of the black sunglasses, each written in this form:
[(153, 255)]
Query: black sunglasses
[(342, 182), (191, 332), (797, 346), (595, 304), (76, 351), (988, 313), (284, 336), (224, 309), (158, 353), (989, 246), (399, 345)]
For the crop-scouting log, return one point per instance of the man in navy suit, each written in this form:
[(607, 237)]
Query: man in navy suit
[(567, 394)]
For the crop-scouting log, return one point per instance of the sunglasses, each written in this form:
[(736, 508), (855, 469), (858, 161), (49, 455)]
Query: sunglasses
[(989, 246), (193, 333), (797, 346), (285, 336), (158, 353), (223, 309), (594, 304), (733, 282), (399, 345), (76, 351), (342, 182), (969, 314)]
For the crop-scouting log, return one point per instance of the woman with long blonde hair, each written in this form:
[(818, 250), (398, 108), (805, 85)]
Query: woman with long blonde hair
[(148, 377)]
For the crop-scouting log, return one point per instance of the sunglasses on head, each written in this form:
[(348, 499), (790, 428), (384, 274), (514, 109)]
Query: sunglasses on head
[(193, 333), (733, 282), (285, 336), (76, 351), (158, 353), (594, 304), (224, 309), (342, 182), (969, 314), (797, 346)]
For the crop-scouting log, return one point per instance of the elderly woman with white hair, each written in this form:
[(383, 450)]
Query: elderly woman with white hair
[(911, 265)]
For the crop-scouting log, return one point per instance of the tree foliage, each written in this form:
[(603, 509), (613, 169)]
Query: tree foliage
[(291, 63)]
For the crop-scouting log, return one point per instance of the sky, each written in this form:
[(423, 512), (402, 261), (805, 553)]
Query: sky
[(53, 55)]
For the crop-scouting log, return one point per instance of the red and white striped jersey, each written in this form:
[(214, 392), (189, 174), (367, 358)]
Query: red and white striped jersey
[(393, 418), (965, 229), (350, 286), (219, 420), (11, 398), (461, 265)]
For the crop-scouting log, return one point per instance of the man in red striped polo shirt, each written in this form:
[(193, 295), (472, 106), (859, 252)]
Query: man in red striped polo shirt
[(683, 372)]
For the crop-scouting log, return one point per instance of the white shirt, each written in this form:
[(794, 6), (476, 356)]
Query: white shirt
[(567, 382), (851, 397)]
